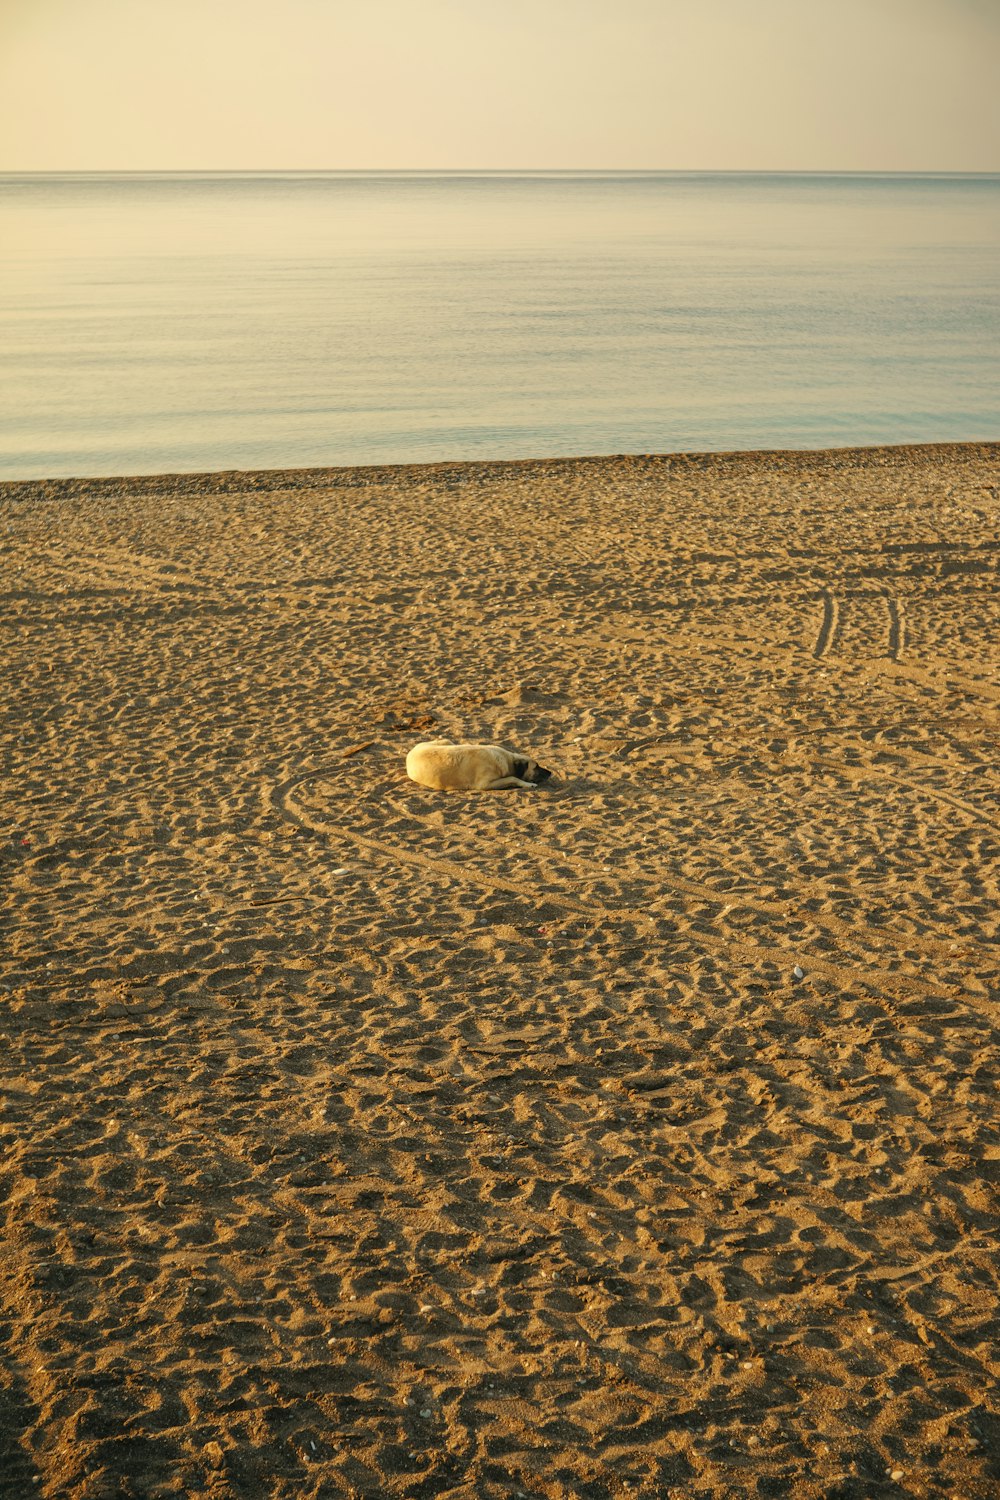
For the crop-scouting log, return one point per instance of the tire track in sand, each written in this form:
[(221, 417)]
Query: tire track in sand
[(897, 627), (829, 625)]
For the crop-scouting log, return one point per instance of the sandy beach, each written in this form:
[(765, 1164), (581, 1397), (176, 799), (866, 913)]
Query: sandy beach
[(636, 1136)]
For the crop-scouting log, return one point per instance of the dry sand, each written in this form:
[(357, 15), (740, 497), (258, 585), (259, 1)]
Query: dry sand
[(636, 1136)]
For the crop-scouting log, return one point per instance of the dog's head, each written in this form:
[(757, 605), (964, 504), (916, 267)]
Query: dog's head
[(530, 770)]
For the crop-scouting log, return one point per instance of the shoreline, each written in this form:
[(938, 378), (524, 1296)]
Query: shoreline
[(223, 481)]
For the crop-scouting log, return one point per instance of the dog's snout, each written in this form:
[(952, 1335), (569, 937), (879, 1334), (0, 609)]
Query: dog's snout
[(539, 774)]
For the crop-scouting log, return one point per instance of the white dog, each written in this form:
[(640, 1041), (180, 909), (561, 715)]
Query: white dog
[(471, 768)]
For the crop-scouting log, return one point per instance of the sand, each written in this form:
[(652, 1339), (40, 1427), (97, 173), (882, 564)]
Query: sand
[(633, 1136)]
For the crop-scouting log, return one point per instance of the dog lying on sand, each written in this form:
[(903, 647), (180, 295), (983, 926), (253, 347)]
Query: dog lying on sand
[(472, 768)]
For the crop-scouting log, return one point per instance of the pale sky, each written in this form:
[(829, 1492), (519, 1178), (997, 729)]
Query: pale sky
[(824, 85)]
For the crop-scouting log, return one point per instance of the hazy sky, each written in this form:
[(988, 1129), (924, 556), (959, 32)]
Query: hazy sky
[(903, 85)]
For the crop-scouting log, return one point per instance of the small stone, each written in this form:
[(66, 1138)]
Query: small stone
[(897, 1475), (799, 973), (426, 1413)]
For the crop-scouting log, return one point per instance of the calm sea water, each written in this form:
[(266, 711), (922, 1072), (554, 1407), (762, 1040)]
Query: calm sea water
[(177, 322)]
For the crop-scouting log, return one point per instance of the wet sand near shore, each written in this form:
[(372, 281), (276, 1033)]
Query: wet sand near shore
[(635, 1136)]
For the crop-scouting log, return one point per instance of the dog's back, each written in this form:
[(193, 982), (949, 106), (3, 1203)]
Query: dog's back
[(456, 768), (471, 768)]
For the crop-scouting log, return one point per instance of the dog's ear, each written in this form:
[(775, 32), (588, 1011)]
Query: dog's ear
[(520, 766)]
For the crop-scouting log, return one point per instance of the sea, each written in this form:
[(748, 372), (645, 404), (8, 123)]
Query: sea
[(178, 322)]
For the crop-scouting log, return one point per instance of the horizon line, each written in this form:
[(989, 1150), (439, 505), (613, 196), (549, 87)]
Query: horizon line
[(500, 171)]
